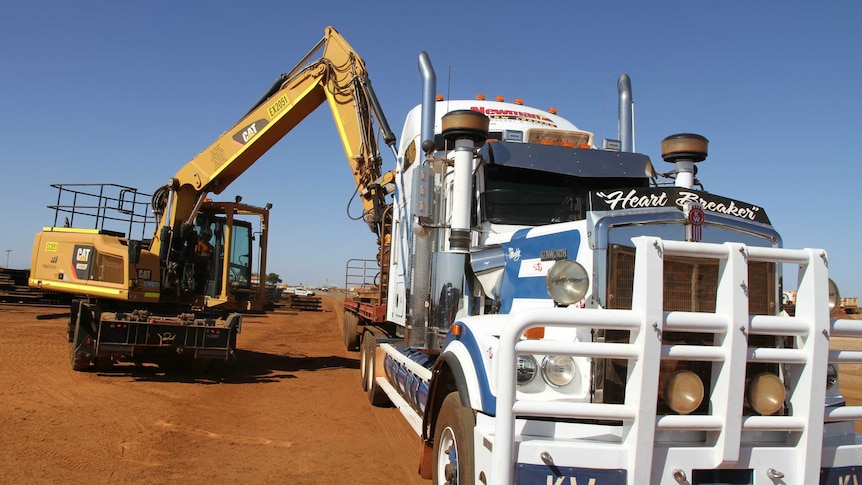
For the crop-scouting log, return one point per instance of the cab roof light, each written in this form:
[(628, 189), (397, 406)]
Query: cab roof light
[(552, 110), (440, 97), (519, 101), (584, 145), (499, 99), (480, 97)]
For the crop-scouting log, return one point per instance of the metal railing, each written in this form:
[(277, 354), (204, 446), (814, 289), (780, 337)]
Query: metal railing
[(108, 208), (646, 321)]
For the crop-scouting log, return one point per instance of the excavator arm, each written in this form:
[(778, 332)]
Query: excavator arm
[(339, 78)]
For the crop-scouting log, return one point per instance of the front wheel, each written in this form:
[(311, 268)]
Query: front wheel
[(453, 443)]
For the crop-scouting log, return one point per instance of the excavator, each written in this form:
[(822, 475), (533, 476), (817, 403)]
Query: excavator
[(183, 291)]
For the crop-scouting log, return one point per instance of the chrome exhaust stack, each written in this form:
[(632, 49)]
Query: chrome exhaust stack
[(420, 280), (626, 116)]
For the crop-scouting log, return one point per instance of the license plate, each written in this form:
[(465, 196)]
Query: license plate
[(527, 474)]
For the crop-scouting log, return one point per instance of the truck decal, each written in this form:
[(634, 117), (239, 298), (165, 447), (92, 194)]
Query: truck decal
[(512, 115), (675, 197), (524, 275)]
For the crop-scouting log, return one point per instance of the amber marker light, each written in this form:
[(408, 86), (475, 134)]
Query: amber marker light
[(553, 111), (535, 333), (683, 391), (480, 97), (519, 101), (500, 98), (456, 330), (440, 97)]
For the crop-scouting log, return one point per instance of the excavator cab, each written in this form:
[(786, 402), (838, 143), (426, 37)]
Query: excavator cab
[(100, 250)]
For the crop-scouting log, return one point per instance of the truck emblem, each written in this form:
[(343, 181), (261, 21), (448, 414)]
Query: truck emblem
[(514, 254), (694, 217)]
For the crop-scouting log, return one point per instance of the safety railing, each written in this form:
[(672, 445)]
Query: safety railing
[(808, 358), (108, 208)]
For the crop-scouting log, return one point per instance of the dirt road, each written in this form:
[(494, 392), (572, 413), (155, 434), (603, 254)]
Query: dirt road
[(291, 412)]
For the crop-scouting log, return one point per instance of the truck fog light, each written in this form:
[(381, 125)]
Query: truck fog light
[(765, 393), (527, 368), (567, 282), (831, 375), (559, 370), (683, 391)]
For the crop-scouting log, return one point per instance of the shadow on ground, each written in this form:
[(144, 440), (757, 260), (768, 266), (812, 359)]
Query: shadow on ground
[(250, 367)]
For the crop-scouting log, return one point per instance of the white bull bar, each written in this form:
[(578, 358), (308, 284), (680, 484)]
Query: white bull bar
[(806, 385)]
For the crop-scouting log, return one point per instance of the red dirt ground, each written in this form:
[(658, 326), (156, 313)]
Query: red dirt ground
[(292, 411)]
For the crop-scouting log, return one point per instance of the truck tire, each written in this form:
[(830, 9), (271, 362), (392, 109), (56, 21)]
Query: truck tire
[(351, 340), (368, 370), (453, 443)]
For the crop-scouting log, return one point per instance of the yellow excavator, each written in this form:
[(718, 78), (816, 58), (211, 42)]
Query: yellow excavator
[(182, 292)]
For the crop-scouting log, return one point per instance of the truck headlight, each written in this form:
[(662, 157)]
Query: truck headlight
[(527, 368), (683, 391), (559, 370), (567, 282), (766, 393)]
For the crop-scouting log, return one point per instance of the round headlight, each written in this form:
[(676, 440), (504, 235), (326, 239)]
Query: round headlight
[(766, 393), (567, 282), (559, 370), (683, 391), (527, 368), (834, 296)]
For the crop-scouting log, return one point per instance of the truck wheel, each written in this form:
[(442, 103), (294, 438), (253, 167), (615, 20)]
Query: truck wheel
[(368, 368), (453, 443), (351, 340)]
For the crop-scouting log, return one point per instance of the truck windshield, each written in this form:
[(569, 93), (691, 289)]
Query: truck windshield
[(519, 196)]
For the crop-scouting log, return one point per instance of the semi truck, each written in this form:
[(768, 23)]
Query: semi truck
[(546, 310), (541, 310)]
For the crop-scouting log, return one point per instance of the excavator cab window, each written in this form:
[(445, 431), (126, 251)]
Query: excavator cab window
[(240, 255)]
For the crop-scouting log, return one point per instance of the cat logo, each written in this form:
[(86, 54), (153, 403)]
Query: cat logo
[(249, 131), (83, 255), (145, 274)]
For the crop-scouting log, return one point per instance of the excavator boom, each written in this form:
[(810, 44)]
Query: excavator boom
[(339, 78)]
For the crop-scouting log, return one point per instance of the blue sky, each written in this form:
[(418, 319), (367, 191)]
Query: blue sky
[(128, 92)]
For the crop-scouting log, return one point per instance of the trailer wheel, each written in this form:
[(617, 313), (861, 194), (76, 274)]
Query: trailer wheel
[(368, 368), (351, 340), (453, 443)]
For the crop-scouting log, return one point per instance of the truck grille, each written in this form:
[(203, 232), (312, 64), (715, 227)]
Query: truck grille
[(691, 285)]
